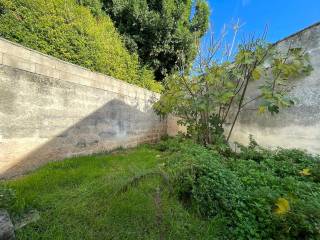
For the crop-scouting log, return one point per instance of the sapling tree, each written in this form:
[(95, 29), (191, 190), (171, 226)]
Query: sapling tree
[(214, 91)]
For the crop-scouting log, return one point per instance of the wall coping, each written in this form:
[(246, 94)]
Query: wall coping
[(298, 33), (17, 56)]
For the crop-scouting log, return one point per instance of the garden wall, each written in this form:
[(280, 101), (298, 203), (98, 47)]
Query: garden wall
[(51, 109), (298, 126)]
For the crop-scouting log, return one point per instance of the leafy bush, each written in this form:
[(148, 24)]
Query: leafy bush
[(169, 144), (70, 31), (272, 196), (284, 162)]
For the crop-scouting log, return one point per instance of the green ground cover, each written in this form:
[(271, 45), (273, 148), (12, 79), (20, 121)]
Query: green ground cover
[(79, 198), (175, 189)]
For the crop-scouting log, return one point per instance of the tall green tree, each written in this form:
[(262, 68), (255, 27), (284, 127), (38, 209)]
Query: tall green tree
[(160, 31)]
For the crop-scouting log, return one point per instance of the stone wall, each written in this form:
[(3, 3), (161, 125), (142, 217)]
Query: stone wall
[(51, 110), (298, 126)]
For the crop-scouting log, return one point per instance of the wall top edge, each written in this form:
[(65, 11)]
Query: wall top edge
[(51, 58), (312, 26)]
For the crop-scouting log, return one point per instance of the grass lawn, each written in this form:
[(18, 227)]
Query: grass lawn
[(79, 198)]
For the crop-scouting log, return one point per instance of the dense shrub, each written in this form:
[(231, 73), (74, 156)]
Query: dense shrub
[(272, 196), (283, 162), (70, 31)]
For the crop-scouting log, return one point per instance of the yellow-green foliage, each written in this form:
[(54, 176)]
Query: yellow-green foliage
[(66, 30)]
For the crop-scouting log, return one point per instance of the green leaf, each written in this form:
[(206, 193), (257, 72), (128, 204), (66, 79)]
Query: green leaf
[(262, 109), (256, 75), (305, 172), (273, 109)]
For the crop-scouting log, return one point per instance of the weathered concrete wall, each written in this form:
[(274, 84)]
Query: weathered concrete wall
[(50, 110), (298, 126)]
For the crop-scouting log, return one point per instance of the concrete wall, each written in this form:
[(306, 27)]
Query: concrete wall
[(51, 109), (173, 128), (298, 126)]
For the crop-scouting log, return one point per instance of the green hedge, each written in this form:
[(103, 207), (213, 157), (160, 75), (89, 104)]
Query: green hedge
[(69, 31)]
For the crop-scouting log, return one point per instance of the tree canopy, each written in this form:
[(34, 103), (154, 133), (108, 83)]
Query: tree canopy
[(160, 31)]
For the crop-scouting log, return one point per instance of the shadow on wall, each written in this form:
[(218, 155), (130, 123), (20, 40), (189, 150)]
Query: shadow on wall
[(113, 125)]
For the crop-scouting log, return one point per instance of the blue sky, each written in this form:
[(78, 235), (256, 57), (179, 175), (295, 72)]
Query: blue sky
[(283, 17)]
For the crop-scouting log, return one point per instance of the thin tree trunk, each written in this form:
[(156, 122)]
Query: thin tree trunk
[(239, 108)]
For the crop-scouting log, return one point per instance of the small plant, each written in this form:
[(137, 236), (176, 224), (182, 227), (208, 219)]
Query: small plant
[(169, 144)]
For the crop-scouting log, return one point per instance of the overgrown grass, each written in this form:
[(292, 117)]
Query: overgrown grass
[(79, 198), (175, 190)]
